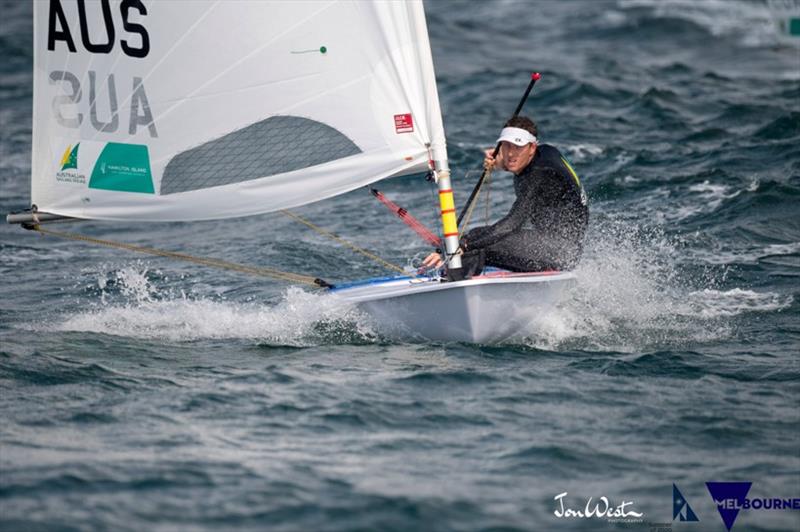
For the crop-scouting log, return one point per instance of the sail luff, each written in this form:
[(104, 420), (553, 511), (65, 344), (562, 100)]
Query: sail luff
[(433, 110)]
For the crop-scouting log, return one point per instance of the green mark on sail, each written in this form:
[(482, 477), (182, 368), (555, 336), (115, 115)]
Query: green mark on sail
[(794, 27), (70, 158), (124, 168), (321, 50)]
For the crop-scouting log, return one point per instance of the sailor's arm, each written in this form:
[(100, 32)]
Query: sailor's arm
[(481, 237)]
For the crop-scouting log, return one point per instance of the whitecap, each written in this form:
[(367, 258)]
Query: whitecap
[(130, 305), (581, 152), (710, 303)]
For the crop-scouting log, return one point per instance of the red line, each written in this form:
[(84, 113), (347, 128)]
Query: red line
[(409, 220), (517, 274), (448, 211), (445, 191), (450, 234)]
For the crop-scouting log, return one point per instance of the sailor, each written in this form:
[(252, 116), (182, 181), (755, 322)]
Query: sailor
[(545, 227)]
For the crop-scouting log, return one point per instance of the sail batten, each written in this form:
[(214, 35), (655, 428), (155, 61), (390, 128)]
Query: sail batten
[(307, 100)]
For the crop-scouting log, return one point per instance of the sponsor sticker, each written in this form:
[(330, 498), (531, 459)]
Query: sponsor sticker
[(124, 168), (403, 123), (68, 167)]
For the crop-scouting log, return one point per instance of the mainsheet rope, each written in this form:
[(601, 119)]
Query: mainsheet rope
[(344, 242), (222, 264), (215, 263)]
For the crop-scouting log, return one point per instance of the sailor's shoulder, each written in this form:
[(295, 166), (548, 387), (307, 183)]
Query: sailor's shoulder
[(548, 152)]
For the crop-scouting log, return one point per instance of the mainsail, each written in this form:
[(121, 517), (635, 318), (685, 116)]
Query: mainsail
[(189, 110)]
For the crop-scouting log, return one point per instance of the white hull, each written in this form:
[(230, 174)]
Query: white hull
[(489, 308)]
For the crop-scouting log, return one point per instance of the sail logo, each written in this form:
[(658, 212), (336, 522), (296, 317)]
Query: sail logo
[(70, 158), (404, 123), (123, 168), (69, 167), (680, 506)]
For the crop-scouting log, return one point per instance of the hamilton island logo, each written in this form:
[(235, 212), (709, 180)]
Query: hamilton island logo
[(680, 506), (70, 158), (123, 168)]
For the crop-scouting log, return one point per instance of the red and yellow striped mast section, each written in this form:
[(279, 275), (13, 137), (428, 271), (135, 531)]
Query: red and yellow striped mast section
[(447, 206)]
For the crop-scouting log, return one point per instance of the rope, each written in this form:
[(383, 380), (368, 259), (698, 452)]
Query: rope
[(345, 242), (468, 215), (216, 263), (415, 225), (488, 184)]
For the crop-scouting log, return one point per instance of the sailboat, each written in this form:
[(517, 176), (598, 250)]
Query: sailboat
[(201, 110)]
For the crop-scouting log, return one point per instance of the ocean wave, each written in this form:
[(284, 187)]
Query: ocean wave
[(629, 296), (746, 255), (301, 319), (748, 22), (709, 303)]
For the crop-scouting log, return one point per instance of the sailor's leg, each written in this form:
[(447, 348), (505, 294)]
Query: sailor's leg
[(473, 262), (525, 252)]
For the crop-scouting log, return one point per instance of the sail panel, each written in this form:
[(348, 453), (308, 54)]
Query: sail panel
[(276, 145), (303, 101)]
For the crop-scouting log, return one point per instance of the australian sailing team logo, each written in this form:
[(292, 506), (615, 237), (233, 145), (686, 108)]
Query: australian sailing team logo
[(70, 158), (69, 167)]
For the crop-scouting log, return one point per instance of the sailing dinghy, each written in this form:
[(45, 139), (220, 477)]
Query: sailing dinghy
[(199, 110)]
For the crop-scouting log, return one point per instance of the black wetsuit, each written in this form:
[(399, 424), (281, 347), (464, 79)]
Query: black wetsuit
[(544, 229)]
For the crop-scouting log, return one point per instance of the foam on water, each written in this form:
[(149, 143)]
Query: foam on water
[(674, 203), (131, 306), (630, 296), (709, 303)]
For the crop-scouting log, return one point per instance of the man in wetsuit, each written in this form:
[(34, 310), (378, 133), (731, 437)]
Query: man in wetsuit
[(545, 227)]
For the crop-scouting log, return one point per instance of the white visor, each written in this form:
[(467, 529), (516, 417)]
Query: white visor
[(517, 136)]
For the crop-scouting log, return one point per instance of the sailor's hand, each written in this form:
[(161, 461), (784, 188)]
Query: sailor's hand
[(434, 260), (490, 162)]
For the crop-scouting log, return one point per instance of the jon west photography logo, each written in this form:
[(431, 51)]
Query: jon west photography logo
[(601, 508)]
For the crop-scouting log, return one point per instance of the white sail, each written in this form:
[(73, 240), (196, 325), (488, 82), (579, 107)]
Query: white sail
[(188, 110)]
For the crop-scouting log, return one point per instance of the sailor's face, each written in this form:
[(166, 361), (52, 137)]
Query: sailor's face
[(516, 158)]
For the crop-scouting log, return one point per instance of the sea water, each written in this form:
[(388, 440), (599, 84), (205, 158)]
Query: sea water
[(139, 393)]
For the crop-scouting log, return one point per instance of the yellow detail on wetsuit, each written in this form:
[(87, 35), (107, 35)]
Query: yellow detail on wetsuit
[(571, 171)]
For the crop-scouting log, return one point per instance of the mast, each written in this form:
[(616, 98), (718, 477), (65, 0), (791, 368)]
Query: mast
[(448, 212)]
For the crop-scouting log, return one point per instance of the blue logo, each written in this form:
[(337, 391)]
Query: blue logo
[(680, 506), (729, 497)]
